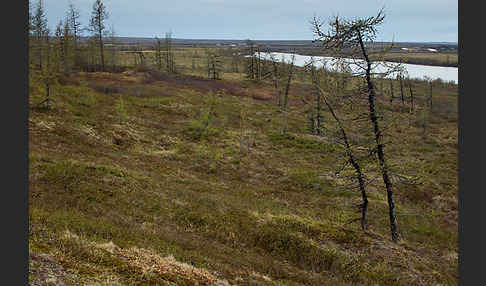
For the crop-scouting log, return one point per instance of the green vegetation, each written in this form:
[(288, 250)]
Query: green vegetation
[(143, 177), (170, 179)]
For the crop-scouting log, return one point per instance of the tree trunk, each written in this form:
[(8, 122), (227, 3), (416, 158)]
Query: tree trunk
[(411, 94), (352, 160), (100, 39), (379, 145), (401, 89)]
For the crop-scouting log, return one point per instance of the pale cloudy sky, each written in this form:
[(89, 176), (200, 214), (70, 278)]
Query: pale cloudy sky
[(406, 21)]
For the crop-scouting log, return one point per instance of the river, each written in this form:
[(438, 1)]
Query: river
[(447, 74)]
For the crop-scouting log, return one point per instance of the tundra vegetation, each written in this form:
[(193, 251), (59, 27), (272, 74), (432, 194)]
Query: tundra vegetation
[(170, 165)]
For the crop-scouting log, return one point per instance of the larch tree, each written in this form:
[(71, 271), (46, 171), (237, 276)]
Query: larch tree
[(214, 64), (58, 45), (285, 101), (400, 80), (251, 65), (48, 74), (39, 29), (99, 15), (73, 16), (276, 75), (353, 34), (113, 48), (315, 115), (30, 28), (66, 46), (158, 54), (169, 53), (350, 153)]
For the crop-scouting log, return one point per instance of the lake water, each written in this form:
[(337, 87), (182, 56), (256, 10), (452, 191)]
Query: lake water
[(413, 71)]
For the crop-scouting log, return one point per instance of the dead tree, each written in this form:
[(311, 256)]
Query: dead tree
[(353, 34)]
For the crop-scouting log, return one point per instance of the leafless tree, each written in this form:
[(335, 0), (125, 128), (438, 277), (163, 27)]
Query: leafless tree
[(400, 80), (158, 54), (99, 15), (285, 101), (58, 45), (411, 95), (113, 48), (214, 65), (251, 65), (235, 62), (276, 78), (350, 154), (66, 46), (289, 80), (73, 16), (315, 120), (169, 54), (353, 34)]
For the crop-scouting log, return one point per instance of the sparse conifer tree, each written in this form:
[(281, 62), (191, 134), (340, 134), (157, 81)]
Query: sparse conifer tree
[(400, 80), (169, 54), (39, 29), (251, 68), (276, 78), (58, 45), (66, 41), (48, 72), (353, 34), (214, 65), (411, 95), (113, 48), (284, 105), (158, 54), (73, 16), (99, 15), (392, 96)]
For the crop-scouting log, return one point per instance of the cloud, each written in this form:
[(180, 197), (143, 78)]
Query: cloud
[(413, 20)]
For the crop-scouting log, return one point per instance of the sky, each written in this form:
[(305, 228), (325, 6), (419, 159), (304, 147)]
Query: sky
[(405, 21)]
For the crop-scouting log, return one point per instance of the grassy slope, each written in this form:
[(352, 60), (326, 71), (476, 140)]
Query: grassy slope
[(130, 167)]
